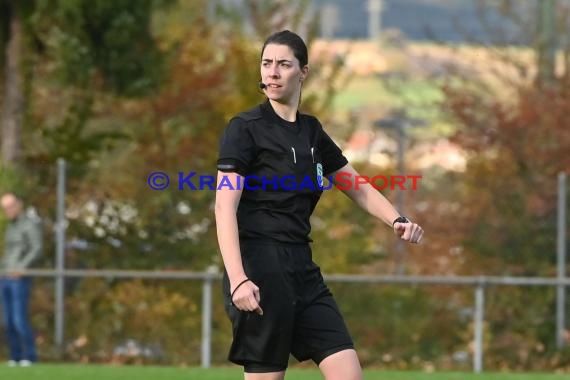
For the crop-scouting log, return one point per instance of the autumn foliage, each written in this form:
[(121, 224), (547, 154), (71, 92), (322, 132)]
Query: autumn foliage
[(115, 127)]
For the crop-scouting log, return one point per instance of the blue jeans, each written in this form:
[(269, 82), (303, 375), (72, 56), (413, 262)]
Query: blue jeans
[(15, 297)]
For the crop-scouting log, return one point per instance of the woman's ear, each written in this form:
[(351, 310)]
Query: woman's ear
[(304, 72)]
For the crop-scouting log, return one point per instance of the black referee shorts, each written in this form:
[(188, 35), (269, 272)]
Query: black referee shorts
[(300, 316)]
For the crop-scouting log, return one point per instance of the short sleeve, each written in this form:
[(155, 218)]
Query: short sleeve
[(331, 154), (237, 148)]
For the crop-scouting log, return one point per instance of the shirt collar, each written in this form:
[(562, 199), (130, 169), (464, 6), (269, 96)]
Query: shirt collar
[(270, 114)]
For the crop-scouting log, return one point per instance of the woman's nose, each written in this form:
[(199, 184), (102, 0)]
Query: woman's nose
[(274, 71)]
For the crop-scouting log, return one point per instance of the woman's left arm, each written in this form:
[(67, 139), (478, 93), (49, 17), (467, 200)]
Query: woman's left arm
[(372, 201)]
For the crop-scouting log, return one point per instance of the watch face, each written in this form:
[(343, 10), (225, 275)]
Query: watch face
[(401, 219)]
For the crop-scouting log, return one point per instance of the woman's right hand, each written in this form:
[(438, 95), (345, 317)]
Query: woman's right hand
[(246, 297)]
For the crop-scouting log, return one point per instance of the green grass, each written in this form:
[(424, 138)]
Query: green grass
[(363, 92), (108, 372), (419, 97), (371, 91)]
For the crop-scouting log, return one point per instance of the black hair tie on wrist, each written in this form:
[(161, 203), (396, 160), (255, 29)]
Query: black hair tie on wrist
[(237, 287)]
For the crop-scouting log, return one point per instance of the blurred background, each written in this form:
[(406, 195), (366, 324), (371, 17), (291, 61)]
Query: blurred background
[(473, 95)]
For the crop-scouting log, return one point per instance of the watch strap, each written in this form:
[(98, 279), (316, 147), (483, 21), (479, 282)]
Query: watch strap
[(400, 219)]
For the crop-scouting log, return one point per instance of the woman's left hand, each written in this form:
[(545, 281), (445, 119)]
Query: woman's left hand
[(409, 231)]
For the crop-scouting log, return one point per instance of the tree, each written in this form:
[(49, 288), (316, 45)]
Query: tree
[(528, 143), (95, 46), (541, 24), (12, 43), (515, 129), (98, 49), (209, 76)]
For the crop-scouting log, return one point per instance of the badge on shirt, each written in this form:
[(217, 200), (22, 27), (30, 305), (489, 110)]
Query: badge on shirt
[(319, 175)]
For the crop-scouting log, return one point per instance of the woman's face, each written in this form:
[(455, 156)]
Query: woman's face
[(281, 72)]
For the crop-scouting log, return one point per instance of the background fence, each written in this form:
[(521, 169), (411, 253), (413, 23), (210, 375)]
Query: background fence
[(474, 319), (114, 134), (480, 285)]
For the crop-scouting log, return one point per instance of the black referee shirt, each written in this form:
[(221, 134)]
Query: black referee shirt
[(283, 164)]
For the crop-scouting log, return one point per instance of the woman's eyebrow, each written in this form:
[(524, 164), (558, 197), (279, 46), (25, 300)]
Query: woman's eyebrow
[(278, 61)]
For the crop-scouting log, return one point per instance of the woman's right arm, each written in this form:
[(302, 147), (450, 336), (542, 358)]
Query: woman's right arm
[(246, 296)]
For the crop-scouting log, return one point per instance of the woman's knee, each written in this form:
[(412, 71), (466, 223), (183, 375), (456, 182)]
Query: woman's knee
[(342, 365), (265, 376)]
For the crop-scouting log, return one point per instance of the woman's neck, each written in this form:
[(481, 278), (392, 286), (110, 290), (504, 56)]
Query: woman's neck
[(284, 111)]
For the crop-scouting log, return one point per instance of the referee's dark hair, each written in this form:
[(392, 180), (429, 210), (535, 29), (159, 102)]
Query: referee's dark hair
[(292, 40)]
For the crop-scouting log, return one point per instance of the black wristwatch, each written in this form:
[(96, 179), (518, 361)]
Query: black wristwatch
[(400, 219)]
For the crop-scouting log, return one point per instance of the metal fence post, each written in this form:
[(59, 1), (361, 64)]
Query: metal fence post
[(206, 357), (479, 321), (60, 226), (561, 261)]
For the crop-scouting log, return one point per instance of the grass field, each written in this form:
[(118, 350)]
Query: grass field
[(103, 372), (370, 91)]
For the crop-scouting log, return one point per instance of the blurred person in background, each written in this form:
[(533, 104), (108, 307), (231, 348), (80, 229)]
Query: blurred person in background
[(22, 248), (275, 294)]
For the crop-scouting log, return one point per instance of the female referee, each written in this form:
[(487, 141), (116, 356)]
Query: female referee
[(271, 163)]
